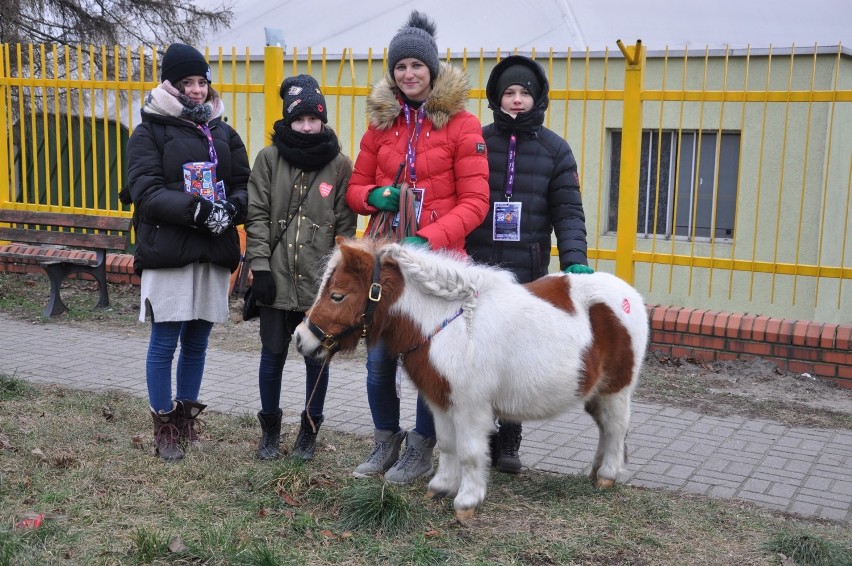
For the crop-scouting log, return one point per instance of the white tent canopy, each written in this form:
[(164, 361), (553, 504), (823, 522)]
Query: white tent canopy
[(542, 24)]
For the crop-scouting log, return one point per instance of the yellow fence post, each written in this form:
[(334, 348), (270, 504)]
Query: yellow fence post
[(631, 153), (5, 171), (273, 74)]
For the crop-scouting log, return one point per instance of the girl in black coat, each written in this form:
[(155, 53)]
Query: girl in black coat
[(535, 190), (186, 241)]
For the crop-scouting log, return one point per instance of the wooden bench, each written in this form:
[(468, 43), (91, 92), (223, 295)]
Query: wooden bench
[(59, 251)]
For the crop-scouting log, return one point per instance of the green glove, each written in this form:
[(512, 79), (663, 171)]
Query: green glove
[(416, 241), (578, 268), (384, 198)]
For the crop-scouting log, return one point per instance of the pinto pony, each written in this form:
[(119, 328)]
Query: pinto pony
[(478, 345)]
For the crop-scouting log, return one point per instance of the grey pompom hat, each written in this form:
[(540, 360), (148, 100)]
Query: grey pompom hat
[(415, 39)]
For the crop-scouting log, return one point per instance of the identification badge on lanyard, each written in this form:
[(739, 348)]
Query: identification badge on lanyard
[(507, 221)]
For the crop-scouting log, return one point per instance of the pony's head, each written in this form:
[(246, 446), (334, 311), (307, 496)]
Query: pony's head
[(358, 286)]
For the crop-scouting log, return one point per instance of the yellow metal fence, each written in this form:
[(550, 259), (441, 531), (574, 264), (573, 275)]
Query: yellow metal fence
[(714, 179)]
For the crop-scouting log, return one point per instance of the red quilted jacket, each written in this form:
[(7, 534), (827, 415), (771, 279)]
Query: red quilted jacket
[(451, 161)]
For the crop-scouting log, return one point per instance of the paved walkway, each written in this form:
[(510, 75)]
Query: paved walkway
[(798, 470)]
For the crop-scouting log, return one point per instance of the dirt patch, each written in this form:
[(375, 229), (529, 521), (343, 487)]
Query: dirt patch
[(751, 389)]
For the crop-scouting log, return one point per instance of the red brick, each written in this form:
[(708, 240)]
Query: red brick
[(707, 322), (670, 318), (845, 372), (780, 330), (843, 382), (663, 337), (837, 357), (682, 321), (732, 329), (800, 367), (825, 370), (773, 326), (712, 342), (826, 338), (747, 326), (657, 318), (660, 348), (695, 321), (726, 356), (800, 331), (843, 339), (795, 352), (720, 326), (750, 347)]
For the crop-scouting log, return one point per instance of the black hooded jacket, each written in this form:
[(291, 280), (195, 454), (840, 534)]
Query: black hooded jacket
[(167, 236), (546, 183)]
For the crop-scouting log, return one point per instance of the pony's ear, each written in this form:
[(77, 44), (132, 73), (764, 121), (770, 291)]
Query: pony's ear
[(339, 240)]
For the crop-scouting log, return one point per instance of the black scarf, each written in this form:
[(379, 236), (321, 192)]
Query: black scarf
[(309, 152)]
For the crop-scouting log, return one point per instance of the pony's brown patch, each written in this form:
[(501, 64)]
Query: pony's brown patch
[(429, 382), (610, 354), (554, 290)]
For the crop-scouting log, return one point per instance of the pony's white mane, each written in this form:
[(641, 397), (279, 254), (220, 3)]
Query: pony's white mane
[(442, 274)]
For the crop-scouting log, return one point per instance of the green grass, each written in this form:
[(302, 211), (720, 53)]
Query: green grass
[(106, 500)]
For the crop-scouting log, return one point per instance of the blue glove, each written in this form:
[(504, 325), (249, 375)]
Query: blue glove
[(416, 241), (263, 287), (384, 198), (578, 268)]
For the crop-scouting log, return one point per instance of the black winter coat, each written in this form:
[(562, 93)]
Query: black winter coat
[(546, 183), (166, 234)]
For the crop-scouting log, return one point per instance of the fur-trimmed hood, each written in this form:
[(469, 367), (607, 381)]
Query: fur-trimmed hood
[(448, 97)]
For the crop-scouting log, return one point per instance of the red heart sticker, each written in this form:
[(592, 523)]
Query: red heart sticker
[(325, 189)]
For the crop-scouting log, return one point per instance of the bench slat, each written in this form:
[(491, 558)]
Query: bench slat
[(37, 258), (78, 239), (65, 220)]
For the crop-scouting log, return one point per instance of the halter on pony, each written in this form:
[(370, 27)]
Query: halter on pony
[(331, 342)]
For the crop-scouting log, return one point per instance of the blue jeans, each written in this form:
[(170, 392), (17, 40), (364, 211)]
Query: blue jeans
[(381, 394), (193, 335), (269, 381)]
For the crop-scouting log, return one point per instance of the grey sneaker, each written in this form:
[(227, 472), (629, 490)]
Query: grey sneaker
[(385, 453), (415, 463)]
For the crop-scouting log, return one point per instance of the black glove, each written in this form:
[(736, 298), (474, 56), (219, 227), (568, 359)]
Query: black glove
[(263, 287), (237, 214), (203, 208), (221, 217)]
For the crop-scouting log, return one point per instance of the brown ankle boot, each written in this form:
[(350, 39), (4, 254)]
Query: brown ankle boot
[(167, 435), (188, 411)]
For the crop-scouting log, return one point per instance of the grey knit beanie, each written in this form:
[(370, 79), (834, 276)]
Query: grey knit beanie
[(302, 95), (182, 61), (519, 74), (415, 39)]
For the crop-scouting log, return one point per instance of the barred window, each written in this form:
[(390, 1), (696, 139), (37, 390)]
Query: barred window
[(693, 191)]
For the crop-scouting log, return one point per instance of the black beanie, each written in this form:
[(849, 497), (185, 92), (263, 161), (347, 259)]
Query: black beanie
[(519, 74), (415, 39), (182, 61), (302, 95)]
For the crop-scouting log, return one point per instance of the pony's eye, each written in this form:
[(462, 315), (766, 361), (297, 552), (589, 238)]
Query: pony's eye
[(337, 297)]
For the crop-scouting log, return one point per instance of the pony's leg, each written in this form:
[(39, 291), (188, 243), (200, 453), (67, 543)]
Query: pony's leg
[(612, 415), (473, 459), (446, 480)]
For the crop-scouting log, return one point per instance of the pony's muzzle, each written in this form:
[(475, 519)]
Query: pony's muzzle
[(307, 344)]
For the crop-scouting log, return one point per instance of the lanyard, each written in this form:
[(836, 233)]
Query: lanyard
[(206, 131), (510, 168), (412, 141)]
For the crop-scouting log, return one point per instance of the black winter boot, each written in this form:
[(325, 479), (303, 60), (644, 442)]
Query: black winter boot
[(508, 443), (188, 411), (306, 440), (270, 440), (167, 435)]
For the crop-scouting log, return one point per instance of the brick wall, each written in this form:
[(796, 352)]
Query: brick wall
[(816, 348), (119, 266)]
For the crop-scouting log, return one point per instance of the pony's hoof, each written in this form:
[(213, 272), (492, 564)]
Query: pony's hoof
[(603, 483), (465, 515), (436, 495)]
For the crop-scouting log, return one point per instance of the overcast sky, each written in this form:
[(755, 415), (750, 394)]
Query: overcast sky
[(541, 24)]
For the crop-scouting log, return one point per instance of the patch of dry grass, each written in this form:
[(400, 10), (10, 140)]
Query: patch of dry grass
[(83, 462)]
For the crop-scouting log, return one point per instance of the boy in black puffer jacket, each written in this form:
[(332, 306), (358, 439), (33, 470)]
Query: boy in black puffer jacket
[(535, 190)]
